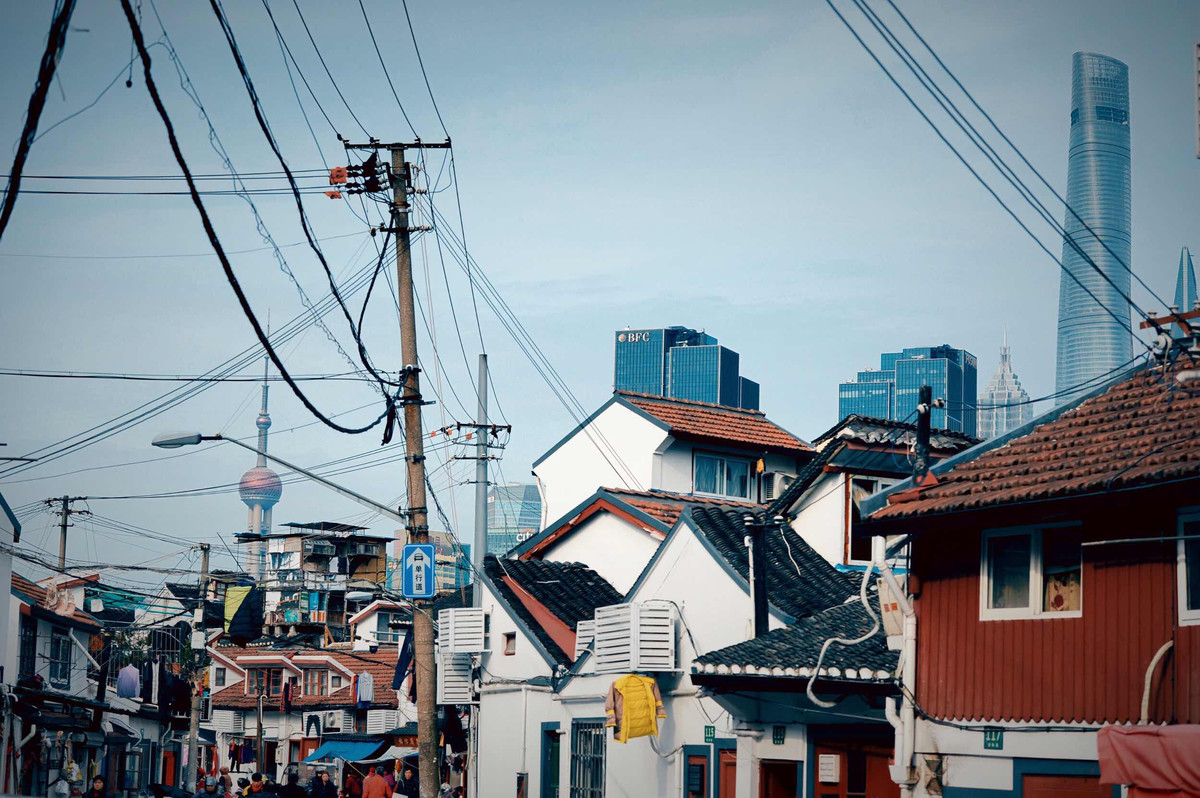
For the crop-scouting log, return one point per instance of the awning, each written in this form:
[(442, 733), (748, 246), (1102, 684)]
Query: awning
[(390, 755), (1152, 760), (341, 749)]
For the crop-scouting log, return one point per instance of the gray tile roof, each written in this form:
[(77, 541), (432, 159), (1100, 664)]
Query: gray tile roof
[(793, 650), (800, 582)]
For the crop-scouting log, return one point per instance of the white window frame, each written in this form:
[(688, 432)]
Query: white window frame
[(1186, 617), (1036, 584), (60, 642), (220, 676), (723, 458), (881, 484)]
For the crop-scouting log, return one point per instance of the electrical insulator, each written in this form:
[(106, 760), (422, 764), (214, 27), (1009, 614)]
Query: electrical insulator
[(337, 175)]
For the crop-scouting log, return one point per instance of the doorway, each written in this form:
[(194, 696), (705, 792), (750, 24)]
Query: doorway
[(853, 768), (1064, 787), (778, 779), (726, 773)]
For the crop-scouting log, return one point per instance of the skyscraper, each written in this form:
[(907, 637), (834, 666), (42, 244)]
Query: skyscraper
[(514, 515), (891, 392), (1185, 289), (681, 363), (1095, 337), (1004, 405)]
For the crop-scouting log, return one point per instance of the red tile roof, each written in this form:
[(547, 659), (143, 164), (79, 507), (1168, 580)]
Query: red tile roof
[(38, 594), (380, 664), (718, 423), (1138, 432), (667, 507)]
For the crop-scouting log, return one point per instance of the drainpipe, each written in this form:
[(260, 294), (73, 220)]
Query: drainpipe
[(1158, 655), (905, 722)]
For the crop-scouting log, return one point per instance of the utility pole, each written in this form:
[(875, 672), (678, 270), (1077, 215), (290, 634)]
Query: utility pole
[(414, 444), (64, 513), (479, 546), (198, 659), (925, 405), (259, 758)]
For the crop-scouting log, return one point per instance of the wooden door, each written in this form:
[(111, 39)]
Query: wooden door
[(777, 779), (861, 770), (169, 770), (1065, 787), (726, 773)]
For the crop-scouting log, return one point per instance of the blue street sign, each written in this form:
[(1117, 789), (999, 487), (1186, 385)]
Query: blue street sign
[(418, 563)]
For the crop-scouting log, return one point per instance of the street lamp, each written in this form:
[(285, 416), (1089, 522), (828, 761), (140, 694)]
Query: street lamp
[(177, 439)]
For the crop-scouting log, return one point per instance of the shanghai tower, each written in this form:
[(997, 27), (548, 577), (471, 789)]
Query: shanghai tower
[(1095, 338)]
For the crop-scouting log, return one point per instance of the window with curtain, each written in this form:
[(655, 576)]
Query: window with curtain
[(60, 659), (721, 476), (1032, 572)]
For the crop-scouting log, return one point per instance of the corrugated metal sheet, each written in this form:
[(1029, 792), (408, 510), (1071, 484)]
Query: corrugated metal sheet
[(1088, 669)]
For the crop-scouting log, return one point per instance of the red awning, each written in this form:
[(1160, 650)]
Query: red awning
[(1158, 761)]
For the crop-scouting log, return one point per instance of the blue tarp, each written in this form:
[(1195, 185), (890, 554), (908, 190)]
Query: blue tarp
[(343, 749)]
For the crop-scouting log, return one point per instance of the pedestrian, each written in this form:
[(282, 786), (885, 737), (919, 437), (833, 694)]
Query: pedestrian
[(208, 788), (354, 785), (99, 788), (292, 788), (322, 786), (225, 780), (256, 784), (408, 786), (375, 786), (389, 775)]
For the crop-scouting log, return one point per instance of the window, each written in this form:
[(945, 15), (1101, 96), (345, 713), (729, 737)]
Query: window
[(265, 680), (510, 643), (860, 489), (587, 759), (1028, 573), (316, 681), (60, 659), (219, 675), (335, 682), (721, 476), (27, 665), (1189, 567)]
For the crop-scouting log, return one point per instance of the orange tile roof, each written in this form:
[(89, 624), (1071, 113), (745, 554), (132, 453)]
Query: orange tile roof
[(380, 664), (717, 423), (1138, 432), (38, 594)]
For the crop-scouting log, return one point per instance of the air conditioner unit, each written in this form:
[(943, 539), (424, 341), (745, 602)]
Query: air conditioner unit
[(460, 630), (333, 720), (454, 678), (775, 483), (585, 632), (639, 636)]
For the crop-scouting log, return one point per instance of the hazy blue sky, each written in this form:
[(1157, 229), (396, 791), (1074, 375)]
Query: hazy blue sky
[(745, 170)]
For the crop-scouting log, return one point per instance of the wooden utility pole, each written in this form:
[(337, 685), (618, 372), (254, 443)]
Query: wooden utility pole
[(417, 513)]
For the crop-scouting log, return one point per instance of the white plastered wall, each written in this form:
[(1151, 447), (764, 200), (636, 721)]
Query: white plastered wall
[(821, 520), (609, 545)]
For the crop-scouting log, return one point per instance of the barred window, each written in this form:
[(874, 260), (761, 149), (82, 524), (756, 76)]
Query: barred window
[(587, 759)]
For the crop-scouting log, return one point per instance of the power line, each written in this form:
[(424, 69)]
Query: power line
[(424, 74), (208, 254), (56, 40), (212, 236), (91, 375), (328, 74), (386, 74)]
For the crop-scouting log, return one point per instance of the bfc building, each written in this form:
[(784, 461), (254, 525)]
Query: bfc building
[(891, 392), (681, 363)]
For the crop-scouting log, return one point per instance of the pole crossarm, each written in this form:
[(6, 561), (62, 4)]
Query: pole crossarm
[(400, 145)]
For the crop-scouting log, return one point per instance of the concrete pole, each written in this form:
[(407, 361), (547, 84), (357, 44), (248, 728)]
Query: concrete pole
[(62, 533), (479, 545), (418, 514), (198, 658)]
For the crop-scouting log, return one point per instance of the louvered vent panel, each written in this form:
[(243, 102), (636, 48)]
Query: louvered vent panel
[(635, 637), (454, 678), (585, 632), (230, 721), (381, 721), (460, 630)]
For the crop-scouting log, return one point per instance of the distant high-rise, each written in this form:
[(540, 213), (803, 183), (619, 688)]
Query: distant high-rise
[(514, 514), (1094, 334), (1185, 289), (891, 392), (1004, 406), (681, 363), (259, 489)]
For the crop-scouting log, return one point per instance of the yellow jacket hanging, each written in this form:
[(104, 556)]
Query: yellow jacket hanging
[(633, 707)]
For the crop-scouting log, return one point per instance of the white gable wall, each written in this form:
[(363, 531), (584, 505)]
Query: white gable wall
[(578, 468), (821, 518), (609, 545), (676, 469), (525, 663)]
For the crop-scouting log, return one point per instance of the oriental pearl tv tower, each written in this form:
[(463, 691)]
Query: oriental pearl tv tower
[(260, 489)]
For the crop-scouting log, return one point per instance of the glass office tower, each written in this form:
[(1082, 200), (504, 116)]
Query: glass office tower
[(1004, 405), (514, 515), (1095, 338), (892, 391), (1185, 290), (681, 363)]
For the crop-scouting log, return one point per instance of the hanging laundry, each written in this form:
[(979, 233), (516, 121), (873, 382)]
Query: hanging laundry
[(366, 690), (404, 661), (147, 672), (129, 681), (285, 702), (243, 614), (633, 707)]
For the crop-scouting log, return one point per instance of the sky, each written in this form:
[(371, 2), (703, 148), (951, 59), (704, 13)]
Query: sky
[(744, 169)]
